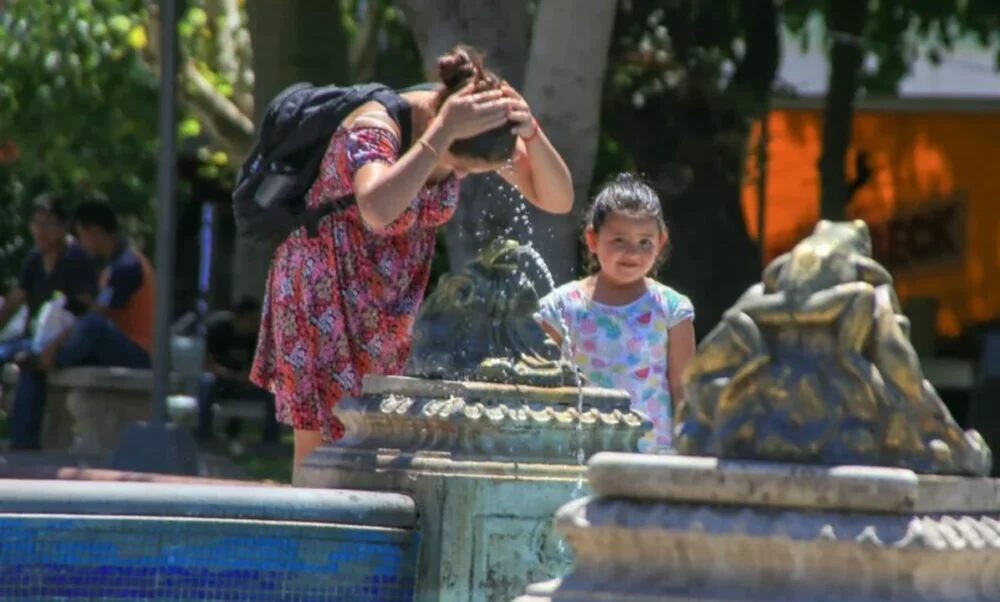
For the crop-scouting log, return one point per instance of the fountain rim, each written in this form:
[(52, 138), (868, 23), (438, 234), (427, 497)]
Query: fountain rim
[(408, 386)]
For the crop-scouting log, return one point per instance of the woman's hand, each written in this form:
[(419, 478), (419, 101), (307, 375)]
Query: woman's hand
[(519, 112), (539, 172), (468, 113)]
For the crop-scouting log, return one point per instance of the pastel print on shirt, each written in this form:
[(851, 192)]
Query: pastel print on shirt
[(624, 347)]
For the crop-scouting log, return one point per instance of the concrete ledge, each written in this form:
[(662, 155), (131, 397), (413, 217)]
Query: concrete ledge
[(94, 377), (682, 528), (609, 399), (51, 471), (241, 502), (688, 479)]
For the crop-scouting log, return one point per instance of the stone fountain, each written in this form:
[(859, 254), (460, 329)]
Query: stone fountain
[(821, 465), (487, 430)]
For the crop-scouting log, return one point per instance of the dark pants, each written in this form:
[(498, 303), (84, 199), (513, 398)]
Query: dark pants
[(10, 349), (95, 341), (213, 388)]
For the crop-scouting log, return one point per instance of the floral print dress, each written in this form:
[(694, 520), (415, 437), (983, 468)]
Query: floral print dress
[(342, 305)]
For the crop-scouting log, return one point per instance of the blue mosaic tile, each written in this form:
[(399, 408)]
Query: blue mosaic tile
[(157, 559)]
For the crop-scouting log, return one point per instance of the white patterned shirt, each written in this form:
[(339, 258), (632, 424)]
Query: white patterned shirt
[(623, 346)]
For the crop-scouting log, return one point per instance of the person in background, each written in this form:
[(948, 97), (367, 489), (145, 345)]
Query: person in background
[(116, 331), (626, 330), (229, 350), (56, 264)]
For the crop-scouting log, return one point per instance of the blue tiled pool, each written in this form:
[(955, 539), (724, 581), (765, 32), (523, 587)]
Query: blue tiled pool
[(232, 554)]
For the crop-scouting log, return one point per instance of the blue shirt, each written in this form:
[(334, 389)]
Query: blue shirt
[(74, 274), (122, 277)]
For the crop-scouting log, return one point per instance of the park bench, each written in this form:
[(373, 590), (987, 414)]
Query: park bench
[(189, 358), (88, 408)]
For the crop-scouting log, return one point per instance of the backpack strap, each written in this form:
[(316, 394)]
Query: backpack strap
[(400, 110), (312, 217)]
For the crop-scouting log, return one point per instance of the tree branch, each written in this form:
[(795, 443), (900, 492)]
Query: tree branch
[(231, 60), (224, 19), (229, 128)]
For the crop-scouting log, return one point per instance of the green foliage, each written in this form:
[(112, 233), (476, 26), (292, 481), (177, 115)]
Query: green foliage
[(75, 96), (398, 63), (897, 33), (79, 99), (80, 107), (13, 226)]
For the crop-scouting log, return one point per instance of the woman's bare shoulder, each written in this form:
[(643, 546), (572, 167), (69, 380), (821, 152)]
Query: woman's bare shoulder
[(371, 114)]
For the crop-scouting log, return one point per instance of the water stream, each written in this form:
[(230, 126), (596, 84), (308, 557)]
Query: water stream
[(567, 353), (520, 221), (519, 226), (565, 555)]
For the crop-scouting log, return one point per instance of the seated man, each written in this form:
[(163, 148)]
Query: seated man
[(56, 264), (117, 331), (229, 348)]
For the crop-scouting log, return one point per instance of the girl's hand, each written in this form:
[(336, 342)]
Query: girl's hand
[(468, 113), (519, 112)]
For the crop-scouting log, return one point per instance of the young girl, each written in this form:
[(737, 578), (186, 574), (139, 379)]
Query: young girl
[(627, 331)]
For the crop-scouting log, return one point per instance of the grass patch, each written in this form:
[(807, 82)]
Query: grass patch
[(277, 469)]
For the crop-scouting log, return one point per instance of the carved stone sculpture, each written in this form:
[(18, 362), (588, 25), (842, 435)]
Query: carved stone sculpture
[(478, 325), (814, 364)]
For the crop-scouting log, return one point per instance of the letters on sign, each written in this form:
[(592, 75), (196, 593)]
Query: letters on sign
[(922, 236), (928, 235)]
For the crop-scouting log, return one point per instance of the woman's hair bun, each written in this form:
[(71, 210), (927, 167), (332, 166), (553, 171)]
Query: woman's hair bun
[(458, 66)]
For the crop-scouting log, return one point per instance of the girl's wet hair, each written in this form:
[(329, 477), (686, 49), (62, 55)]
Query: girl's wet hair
[(627, 195), (456, 68)]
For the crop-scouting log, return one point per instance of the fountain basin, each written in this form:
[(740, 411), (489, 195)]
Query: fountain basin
[(171, 541), (684, 528), (488, 465)]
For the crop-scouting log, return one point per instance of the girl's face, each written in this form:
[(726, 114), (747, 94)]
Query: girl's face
[(626, 247)]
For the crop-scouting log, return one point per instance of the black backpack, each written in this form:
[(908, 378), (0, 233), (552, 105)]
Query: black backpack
[(269, 199)]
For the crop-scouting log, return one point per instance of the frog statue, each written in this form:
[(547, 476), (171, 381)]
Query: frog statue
[(814, 364), (479, 325)]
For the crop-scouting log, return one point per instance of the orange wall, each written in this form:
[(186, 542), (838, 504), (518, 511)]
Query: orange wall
[(920, 158)]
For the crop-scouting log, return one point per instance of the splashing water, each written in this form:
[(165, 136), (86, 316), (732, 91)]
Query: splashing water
[(567, 354), (509, 196), (563, 550)]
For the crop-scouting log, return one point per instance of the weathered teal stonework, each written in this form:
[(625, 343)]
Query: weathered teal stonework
[(488, 433)]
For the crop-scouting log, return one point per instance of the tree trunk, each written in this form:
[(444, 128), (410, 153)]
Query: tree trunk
[(293, 40), (488, 206), (564, 85), (846, 22), (498, 27), (692, 143)]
